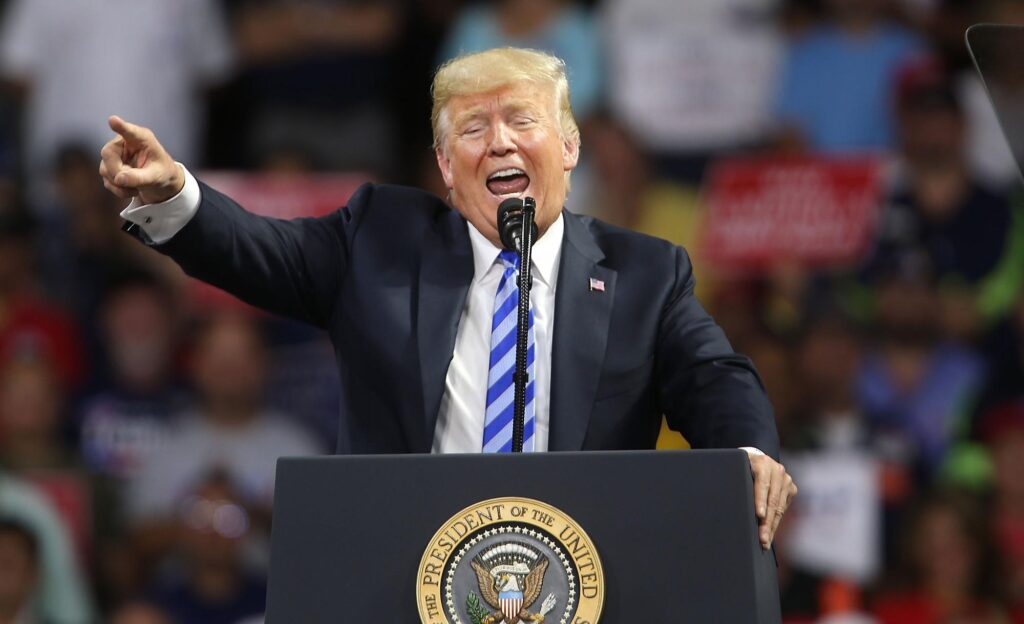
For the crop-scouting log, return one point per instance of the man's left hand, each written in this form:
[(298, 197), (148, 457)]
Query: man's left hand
[(774, 490)]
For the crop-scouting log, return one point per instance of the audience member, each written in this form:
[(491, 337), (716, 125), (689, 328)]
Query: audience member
[(828, 359), (29, 324), (692, 80), (31, 417), (839, 79), (81, 247), (561, 27), (33, 443), (914, 384), (229, 429), (215, 587), (19, 573), (126, 420), (947, 567), (61, 593), (58, 51), (942, 211), (318, 75)]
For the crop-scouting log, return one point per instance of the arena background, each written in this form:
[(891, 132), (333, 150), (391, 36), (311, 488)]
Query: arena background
[(833, 166)]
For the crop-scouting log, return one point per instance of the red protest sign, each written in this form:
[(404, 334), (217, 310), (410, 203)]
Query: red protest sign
[(814, 211), (282, 196)]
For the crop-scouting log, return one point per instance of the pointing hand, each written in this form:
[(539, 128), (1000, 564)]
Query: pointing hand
[(134, 164)]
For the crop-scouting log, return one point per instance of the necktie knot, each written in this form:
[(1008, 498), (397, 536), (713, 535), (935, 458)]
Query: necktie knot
[(509, 259)]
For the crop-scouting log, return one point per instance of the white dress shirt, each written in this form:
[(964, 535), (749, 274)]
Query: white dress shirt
[(460, 422)]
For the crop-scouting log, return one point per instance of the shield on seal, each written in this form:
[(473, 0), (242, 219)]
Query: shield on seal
[(511, 603)]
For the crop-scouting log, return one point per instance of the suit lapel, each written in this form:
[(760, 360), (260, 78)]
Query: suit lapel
[(445, 275), (582, 316)]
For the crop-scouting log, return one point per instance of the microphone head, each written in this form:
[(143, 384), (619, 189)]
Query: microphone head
[(510, 223)]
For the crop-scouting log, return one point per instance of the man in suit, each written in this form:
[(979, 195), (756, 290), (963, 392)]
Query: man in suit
[(416, 297)]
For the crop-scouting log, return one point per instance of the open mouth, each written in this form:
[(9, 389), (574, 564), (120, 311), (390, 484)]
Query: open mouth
[(511, 181)]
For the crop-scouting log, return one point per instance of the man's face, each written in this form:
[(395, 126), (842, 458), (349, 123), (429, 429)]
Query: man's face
[(505, 143)]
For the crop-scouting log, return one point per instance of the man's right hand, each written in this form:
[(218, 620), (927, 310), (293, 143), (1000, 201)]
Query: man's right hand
[(134, 164)]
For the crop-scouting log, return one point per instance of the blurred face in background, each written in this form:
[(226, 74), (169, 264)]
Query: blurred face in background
[(942, 530), (827, 364), (30, 401), (139, 326), (93, 219), (501, 144), (139, 613), (906, 308), (933, 138), (230, 364), (18, 573)]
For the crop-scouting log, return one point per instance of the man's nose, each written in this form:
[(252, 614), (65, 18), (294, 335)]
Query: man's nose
[(502, 140)]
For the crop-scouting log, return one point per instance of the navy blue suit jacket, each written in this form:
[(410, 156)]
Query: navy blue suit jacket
[(387, 276)]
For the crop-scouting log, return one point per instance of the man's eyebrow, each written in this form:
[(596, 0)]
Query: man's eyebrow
[(469, 115), (518, 106), (509, 107)]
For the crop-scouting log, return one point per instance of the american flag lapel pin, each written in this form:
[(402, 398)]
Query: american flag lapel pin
[(596, 285)]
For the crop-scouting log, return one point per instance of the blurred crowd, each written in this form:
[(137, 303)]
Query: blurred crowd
[(139, 426)]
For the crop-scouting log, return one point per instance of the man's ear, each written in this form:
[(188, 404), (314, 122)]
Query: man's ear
[(445, 166), (570, 153)]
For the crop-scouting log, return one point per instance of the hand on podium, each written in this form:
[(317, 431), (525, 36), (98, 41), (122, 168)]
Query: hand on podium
[(774, 490), (134, 164)]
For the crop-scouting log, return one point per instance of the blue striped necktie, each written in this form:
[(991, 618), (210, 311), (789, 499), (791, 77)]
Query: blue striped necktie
[(500, 388)]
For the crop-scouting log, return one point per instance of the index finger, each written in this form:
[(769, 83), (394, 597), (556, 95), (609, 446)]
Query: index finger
[(126, 129)]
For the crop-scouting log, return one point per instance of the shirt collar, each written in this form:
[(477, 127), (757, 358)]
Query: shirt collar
[(545, 255)]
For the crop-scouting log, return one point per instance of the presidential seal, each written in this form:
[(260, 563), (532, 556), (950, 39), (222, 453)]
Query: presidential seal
[(511, 561)]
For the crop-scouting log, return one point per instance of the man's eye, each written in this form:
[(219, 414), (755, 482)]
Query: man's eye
[(472, 130)]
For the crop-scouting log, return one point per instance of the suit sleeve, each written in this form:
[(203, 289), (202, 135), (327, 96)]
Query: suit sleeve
[(709, 393), (291, 268)]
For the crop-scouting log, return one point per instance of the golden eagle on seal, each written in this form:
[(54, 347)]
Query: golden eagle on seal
[(509, 585)]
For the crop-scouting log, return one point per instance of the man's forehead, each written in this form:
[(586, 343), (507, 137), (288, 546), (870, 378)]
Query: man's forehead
[(516, 96)]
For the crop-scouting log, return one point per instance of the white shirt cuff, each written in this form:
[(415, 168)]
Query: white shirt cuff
[(752, 451), (162, 221)]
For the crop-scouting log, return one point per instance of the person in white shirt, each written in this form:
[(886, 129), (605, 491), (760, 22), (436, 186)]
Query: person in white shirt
[(59, 52)]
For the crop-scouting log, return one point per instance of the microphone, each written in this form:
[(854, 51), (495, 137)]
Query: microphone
[(511, 214), (517, 231)]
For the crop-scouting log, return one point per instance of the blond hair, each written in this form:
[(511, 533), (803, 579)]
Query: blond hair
[(481, 72)]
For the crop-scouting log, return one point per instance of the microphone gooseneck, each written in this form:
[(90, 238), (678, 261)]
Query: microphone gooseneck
[(517, 230)]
